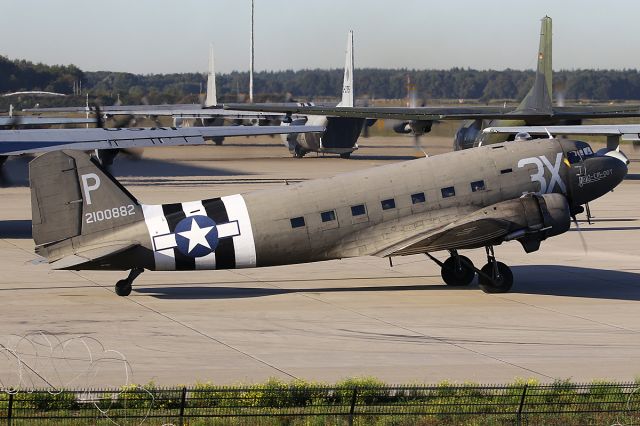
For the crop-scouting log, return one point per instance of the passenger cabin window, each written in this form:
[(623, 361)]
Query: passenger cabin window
[(418, 198), (358, 210), (388, 204), (297, 222), (448, 192), (328, 216), (478, 186)]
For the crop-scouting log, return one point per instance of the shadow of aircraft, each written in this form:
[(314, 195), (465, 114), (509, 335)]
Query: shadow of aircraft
[(551, 280), (15, 229), (16, 169)]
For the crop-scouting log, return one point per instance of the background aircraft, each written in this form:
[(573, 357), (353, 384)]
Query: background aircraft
[(535, 109), (107, 142), (84, 219), (340, 136)]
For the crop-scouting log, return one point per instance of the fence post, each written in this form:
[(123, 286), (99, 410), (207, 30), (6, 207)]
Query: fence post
[(353, 405), (183, 402), (522, 398), (10, 409)]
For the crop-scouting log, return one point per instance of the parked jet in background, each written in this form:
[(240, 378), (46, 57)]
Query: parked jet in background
[(535, 109), (84, 219)]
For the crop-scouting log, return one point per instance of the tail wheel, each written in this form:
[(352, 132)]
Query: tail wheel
[(501, 278), (458, 274), (123, 287)]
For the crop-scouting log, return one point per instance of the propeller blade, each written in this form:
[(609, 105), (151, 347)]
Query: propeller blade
[(584, 242)]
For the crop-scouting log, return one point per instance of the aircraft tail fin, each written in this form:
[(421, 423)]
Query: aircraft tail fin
[(72, 195), (540, 96), (211, 99), (347, 85)]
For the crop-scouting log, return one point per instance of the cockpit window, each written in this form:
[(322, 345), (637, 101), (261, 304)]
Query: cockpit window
[(580, 154)]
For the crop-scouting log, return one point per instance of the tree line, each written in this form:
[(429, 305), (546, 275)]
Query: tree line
[(108, 88)]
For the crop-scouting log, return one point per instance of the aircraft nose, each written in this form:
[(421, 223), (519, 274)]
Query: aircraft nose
[(599, 175)]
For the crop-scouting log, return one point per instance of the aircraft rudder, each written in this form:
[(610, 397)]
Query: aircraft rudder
[(545, 53), (72, 195), (212, 97), (347, 85)]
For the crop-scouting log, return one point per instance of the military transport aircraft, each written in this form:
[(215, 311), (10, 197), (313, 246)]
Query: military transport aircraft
[(340, 136), (107, 142), (523, 191), (535, 109)]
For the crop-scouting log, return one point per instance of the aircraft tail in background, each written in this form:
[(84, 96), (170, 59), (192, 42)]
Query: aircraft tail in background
[(347, 85), (539, 98), (211, 99)]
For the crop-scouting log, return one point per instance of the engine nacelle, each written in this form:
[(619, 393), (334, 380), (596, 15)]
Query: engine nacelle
[(416, 127), (541, 217), (467, 135)]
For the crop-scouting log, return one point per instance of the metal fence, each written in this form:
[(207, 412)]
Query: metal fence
[(292, 404)]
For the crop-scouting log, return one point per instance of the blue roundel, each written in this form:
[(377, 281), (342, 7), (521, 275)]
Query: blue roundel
[(196, 236)]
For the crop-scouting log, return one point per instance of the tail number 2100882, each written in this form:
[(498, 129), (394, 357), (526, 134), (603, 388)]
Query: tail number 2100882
[(108, 214)]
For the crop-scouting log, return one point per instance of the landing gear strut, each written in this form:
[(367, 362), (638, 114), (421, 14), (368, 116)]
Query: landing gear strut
[(123, 287), (496, 277), (457, 270)]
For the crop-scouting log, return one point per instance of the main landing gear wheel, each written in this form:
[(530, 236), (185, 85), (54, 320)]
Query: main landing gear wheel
[(345, 155), (496, 277), (123, 287), (457, 271), (299, 152)]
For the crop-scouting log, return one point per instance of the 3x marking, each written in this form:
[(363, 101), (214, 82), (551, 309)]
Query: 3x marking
[(541, 163)]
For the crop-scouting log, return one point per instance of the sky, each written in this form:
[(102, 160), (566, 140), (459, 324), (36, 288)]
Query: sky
[(162, 36)]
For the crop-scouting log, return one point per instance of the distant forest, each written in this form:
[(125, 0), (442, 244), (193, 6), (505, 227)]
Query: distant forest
[(107, 88)]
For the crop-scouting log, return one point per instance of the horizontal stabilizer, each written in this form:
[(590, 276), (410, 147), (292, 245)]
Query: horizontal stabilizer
[(92, 253)]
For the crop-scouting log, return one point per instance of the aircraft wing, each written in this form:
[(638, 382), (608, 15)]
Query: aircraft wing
[(447, 113), (628, 132), (17, 142), (169, 110), (458, 235), (397, 113), (19, 120)]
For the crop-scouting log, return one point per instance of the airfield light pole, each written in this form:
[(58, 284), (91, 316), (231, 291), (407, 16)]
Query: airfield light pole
[(251, 58)]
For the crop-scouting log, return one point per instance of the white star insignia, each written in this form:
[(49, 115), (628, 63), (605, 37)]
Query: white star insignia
[(197, 235)]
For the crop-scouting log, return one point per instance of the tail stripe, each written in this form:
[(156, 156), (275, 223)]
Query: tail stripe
[(159, 233)]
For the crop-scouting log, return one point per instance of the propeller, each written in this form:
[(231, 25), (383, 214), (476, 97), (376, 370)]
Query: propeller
[(584, 242)]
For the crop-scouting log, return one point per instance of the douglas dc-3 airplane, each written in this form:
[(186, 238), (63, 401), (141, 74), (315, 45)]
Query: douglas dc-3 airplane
[(525, 191), (536, 109)]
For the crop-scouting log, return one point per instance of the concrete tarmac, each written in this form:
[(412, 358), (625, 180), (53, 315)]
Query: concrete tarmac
[(571, 314)]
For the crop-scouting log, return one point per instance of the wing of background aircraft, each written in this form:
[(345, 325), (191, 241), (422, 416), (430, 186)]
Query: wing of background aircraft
[(627, 132), (41, 121), (17, 142), (446, 113)]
